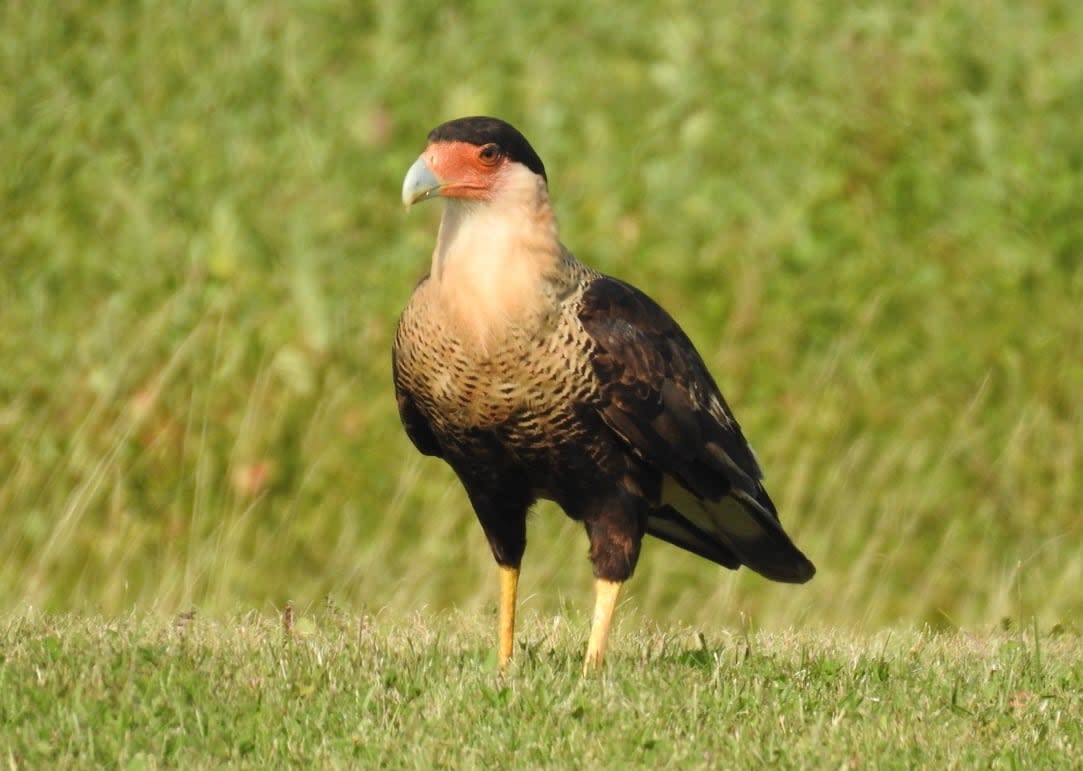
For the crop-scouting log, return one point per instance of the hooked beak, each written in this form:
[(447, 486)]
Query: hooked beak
[(420, 184)]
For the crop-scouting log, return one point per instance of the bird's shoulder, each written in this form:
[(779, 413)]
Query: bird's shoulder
[(636, 340), (657, 393)]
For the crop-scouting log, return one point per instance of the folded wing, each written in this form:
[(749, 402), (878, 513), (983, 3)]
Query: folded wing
[(659, 398)]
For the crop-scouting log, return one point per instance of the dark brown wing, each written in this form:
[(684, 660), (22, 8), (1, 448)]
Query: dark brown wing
[(658, 396)]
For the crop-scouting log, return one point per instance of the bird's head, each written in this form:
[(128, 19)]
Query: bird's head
[(472, 159)]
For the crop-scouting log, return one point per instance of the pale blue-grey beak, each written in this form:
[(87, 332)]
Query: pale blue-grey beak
[(420, 183)]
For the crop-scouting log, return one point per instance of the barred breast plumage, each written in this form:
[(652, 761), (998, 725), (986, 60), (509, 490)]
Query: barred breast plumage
[(524, 396)]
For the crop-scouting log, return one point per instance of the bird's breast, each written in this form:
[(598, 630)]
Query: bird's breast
[(530, 382)]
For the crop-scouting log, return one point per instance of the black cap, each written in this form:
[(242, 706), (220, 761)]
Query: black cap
[(480, 130)]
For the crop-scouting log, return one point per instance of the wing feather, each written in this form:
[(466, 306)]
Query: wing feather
[(659, 398)]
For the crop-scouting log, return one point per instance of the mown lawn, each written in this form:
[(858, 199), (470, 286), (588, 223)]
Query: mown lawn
[(346, 691)]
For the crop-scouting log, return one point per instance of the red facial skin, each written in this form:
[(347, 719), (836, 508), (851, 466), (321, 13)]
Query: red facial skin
[(465, 170)]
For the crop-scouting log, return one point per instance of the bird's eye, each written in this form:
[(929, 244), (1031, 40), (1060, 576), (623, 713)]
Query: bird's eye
[(490, 154)]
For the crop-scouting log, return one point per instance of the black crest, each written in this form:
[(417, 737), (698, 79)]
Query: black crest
[(479, 130)]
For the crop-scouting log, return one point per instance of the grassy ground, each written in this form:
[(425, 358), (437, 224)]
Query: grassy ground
[(870, 221), (341, 691)]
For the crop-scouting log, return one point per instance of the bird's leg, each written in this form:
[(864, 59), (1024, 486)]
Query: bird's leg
[(501, 507), (509, 585), (616, 526), (605, 600)]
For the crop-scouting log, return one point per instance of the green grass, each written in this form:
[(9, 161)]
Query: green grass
[(869, 220), (345, 691)]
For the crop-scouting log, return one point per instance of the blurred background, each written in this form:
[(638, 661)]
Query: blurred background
[(870, 221)]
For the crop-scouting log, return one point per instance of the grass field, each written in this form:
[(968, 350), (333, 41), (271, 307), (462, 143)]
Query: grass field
[(342, 691), (869, 220)]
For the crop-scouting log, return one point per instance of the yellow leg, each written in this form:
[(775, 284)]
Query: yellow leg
[(509, 586), (605, 600)]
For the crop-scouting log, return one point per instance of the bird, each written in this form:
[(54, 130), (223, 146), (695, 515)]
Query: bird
[(535, 376)]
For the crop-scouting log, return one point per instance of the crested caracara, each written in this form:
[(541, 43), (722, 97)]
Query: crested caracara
[(534, 376)]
